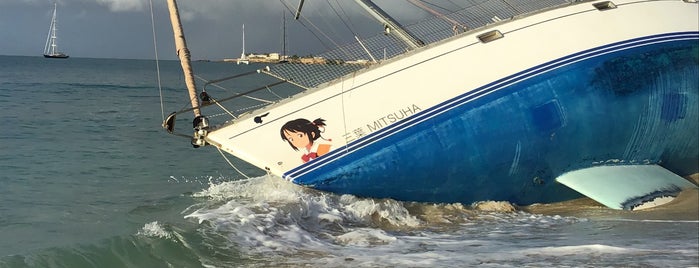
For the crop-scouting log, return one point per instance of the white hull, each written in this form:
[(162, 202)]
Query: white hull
[(444, 71)]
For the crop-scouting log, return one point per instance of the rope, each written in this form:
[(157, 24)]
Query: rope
[(223, 108), (238, 95), (275, 94), (306, 22), (157, 62), (227, 90), (231, 164), (341, 17)]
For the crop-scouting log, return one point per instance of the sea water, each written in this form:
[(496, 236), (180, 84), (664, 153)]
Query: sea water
[(89, 179)]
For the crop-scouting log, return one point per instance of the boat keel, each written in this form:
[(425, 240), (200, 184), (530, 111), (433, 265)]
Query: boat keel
[(627, 187)]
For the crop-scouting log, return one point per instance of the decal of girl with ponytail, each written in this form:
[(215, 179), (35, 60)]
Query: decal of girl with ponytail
[(304, 134)]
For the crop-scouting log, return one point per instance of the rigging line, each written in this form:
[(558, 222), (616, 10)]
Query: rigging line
[(272, 92), (187, 104), (231, 77), (290, 81), (233, 97), (341, 17), (344, 111), (511, 6), (332, 29), (421, 4), (458, 6), (320, 31), (335, 31), (365, 49), (231, 164), (337, 46), (157, 62), (183, 109), (227, 89), (304, 25), (349, 19), (223, 108), (437, 6), (350, 28), (287, 7), (324, 43)]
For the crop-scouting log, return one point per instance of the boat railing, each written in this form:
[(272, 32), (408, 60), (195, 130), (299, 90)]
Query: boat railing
[(352, 57)]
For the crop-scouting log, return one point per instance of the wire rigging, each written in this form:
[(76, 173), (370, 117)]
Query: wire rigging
[(456, 5), (438, 6), (301, 21), (316, 31), (230, 163), (341, 17), (423, 5), (157, 62)]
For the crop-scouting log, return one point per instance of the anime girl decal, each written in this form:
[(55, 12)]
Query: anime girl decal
[(301, 133)]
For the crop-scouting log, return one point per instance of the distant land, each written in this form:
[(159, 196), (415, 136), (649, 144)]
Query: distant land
[(276, 58)]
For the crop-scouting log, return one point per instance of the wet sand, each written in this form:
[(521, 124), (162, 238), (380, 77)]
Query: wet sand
[(685, 208)]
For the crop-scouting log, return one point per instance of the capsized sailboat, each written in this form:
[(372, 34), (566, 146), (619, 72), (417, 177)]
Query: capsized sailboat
[(519, 100), (51, 46)]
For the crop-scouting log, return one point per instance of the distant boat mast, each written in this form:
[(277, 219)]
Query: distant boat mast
[(282, 57), (243, 58)]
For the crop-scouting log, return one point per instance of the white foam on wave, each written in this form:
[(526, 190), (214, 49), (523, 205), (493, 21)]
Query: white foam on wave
[(154, 229), (580, 249), (365, 237), (282, 224), (260, 188), (268, 214)]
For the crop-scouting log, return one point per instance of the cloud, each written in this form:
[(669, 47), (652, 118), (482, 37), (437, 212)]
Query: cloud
[(220, 9), (124, 5)]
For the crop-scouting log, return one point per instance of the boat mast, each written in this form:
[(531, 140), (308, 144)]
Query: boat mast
[(50, 47), (183, 53), (390, 24), (283, 56), (242, 56)]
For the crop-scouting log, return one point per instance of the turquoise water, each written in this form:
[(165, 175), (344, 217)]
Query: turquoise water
[(89, 179)]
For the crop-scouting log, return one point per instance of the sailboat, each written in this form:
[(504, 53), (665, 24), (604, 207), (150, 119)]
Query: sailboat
[(51, 48), (243, 58), (283, 58), (528, 102)]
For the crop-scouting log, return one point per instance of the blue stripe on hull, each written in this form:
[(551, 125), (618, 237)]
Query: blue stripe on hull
[(634, 102)]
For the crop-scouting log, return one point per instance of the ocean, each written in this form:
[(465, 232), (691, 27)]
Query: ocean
[(90, 179)]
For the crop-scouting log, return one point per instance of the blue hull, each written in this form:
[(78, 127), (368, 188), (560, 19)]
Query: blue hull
[(634, 102)]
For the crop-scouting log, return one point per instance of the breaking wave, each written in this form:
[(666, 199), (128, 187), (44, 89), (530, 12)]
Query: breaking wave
[(269, 222), (275, 222)]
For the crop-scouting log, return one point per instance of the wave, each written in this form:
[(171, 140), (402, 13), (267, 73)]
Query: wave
[(269, 222), (142, 250), (276, 223)]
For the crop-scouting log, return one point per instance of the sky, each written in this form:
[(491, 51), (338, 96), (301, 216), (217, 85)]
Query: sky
[(213, 28)]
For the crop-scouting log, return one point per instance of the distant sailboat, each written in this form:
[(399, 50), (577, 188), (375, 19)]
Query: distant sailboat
[(51, 49), (243, 58), (282, 56)]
